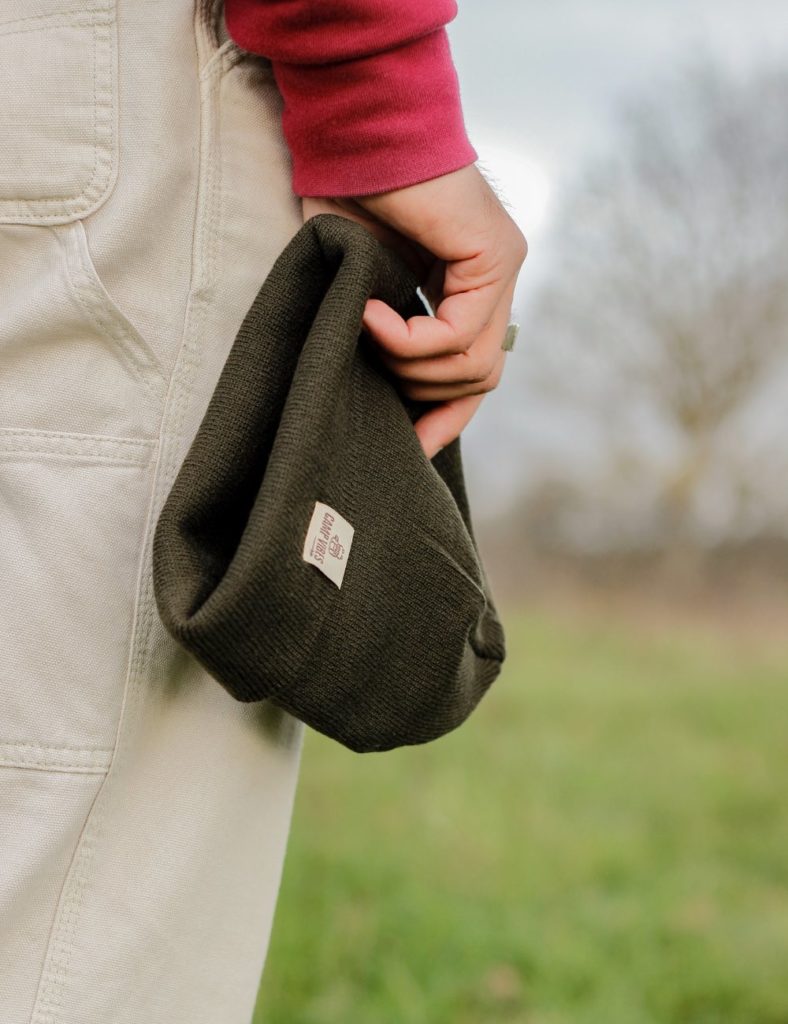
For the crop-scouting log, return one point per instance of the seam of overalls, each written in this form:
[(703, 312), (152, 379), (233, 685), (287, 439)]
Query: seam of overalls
[(49, 998), (131, 346)]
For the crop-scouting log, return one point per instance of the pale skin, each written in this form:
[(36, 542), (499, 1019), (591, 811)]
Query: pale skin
[(467, 252)]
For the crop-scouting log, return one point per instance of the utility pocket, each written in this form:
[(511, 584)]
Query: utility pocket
[(58, 108), (70, 360), (72, 515)]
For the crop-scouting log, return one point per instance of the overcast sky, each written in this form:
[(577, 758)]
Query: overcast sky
[(541, 81), (540, 84)]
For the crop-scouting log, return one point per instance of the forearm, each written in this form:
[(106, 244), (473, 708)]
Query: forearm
[(371, 96)]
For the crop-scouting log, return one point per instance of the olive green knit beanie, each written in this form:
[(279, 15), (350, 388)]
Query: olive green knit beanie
[(309, 553)]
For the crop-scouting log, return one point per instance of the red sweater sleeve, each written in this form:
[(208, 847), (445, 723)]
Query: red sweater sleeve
[(371, 95)]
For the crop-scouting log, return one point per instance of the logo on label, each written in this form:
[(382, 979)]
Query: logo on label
[(328, 541)]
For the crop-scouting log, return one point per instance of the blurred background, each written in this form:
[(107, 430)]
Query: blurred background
[(605, 841)]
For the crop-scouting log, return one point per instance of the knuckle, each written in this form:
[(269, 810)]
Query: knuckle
[(400, 368), (494, 378), (455, 349), (521, 246), (473, 372), (463, 341), (418, 390), (488, 319), (491, 371)]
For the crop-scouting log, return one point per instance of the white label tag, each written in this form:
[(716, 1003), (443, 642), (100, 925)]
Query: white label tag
[(328, 541)]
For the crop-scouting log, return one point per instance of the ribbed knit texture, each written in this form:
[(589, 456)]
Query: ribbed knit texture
[(371, 94), (304, 411)]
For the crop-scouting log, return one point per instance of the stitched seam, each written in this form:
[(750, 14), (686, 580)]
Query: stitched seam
[(103, 156), (51, 983), (59, 948), (108, 314), (60, 19), (37, 746), (87, 438), (126, 334), (84, 189), (74, 459), (68, 769), (74, 447), (85, 293), (65, 758), (218, 57)]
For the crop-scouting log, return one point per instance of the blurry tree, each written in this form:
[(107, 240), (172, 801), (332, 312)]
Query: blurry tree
[(664, 320)]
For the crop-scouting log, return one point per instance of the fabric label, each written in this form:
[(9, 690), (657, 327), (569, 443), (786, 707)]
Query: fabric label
[(328, 541)]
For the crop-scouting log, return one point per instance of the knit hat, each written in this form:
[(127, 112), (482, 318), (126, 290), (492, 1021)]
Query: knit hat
[(309, 552)]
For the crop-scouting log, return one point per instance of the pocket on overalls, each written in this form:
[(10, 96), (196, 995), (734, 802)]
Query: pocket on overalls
[(62, 336), (72, 517), (81, 395), (58, 84)]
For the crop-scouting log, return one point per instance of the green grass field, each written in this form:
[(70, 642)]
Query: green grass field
[(605, 841)]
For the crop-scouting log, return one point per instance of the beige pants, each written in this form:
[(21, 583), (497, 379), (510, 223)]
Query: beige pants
[(143, 812)]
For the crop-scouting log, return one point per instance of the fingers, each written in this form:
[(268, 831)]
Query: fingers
[(436, 428), (472, 292), (467, 253), (475, 369), (478, 374), (458, 321)]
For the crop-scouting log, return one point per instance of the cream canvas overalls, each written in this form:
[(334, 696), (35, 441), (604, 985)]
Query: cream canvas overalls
[(143, 812)]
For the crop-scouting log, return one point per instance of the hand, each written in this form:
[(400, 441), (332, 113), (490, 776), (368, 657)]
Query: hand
[(466, 252)]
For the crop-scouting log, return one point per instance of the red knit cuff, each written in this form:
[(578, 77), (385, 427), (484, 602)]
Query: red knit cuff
[(328, 31), (375, 123)]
